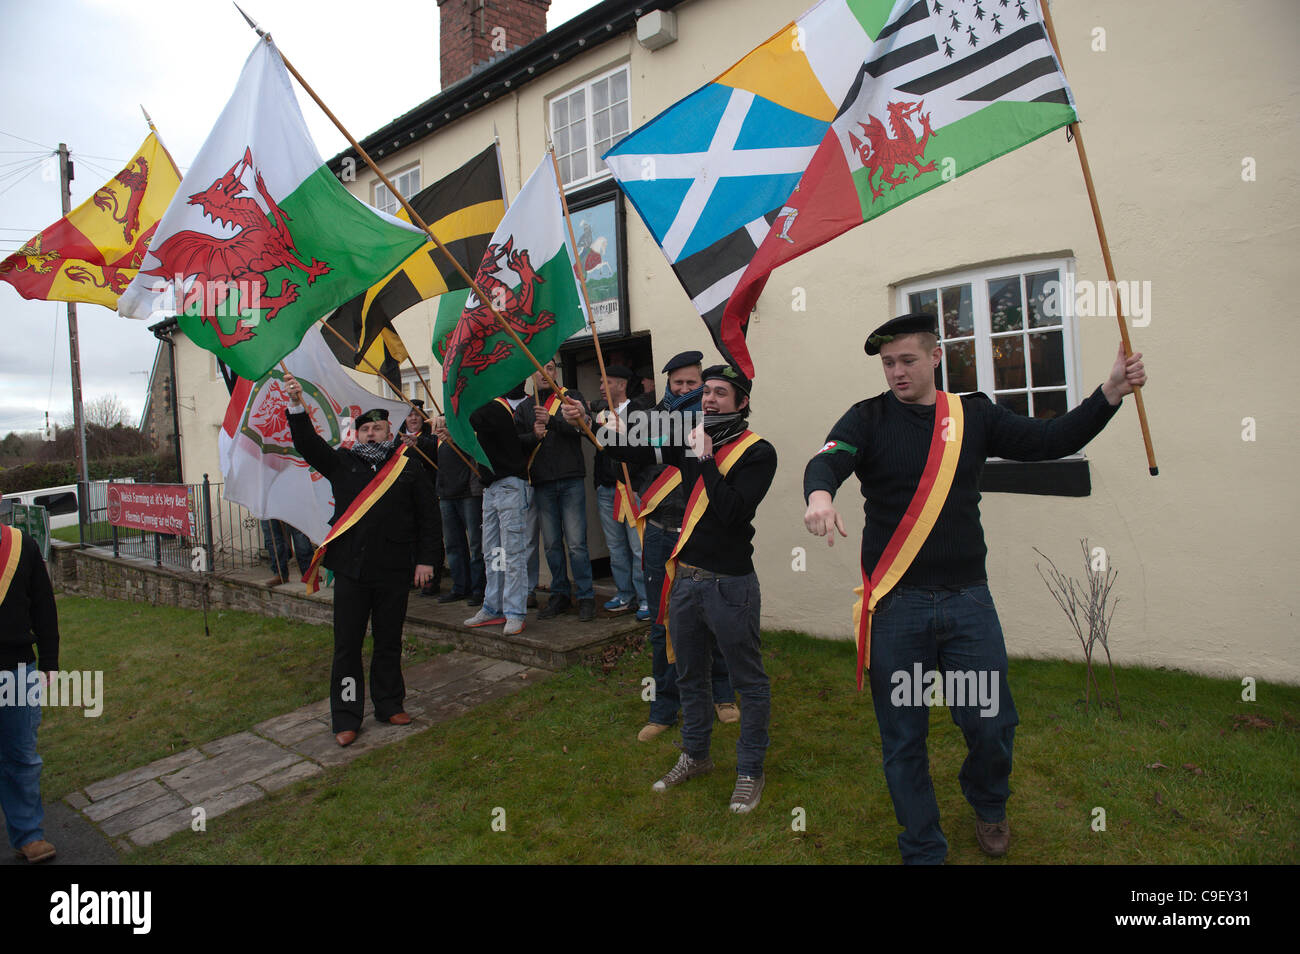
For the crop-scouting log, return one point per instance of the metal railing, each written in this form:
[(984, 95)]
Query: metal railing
[(229, 535)]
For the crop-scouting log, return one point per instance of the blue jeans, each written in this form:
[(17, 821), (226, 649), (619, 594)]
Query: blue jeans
[(561, 507), (659, 545), (505, 547), (278, 547), (722, 613), (945, 631), (20, 766), (532, 526), (462, 531), (624, 550)]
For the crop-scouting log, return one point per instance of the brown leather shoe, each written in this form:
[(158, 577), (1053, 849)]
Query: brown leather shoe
[(994, 837), (400, 718), (652, 730), (345, 738), (35, 851)]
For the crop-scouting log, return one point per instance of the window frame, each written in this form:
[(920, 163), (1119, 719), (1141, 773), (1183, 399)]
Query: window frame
[(978, 277), (395, 178), (597, 170)]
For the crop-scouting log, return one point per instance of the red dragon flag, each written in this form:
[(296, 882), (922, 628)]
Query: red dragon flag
[(262, 240), (529, 277), (262, 470), (944, 89), (93, 252)]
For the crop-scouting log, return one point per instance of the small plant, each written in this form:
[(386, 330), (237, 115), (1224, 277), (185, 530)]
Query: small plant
[(1089, 608)]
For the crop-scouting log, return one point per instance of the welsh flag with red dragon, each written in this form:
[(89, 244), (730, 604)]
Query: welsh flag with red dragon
[(528, 275), (262, 240)]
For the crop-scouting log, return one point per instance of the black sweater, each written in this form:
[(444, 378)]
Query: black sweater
[(722, 540), (887, 445), (559, 453), (27, 615), (494, 425)]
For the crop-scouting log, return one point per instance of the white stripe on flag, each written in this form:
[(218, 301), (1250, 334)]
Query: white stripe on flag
[(717, 293), (835, 45)]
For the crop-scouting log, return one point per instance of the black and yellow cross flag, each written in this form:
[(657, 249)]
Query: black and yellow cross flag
[(463, 209)]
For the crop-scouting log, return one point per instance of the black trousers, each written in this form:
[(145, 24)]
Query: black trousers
[(383, 605)]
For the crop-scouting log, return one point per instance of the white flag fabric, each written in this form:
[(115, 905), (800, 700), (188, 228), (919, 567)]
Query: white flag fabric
[(261, 469)]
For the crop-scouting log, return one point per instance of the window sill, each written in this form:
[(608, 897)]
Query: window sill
[(1049, 478)]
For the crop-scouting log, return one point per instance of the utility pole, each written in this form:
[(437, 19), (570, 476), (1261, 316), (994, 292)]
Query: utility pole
[(78, 421)]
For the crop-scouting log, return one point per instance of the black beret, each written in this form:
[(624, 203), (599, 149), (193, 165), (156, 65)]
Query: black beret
[(417, 402), (902, 325), (725, 372), (684, 360), (620, 371), (373, 415)]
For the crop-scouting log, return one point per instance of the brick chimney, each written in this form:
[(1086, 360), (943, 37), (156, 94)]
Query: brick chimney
[(476, 31)]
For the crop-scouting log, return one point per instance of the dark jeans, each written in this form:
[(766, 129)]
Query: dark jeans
[(667, 702), (273, 533), (724, 613), (462, 531), (383, 605), (561, 507), (943, 631)]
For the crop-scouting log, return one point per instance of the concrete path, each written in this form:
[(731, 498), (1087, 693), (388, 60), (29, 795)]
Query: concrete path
[(148, 804)]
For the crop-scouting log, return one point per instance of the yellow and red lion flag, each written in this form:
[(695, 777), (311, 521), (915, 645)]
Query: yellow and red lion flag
[(93, 252)]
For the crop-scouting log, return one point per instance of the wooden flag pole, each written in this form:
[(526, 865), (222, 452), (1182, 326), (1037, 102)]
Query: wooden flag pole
[(411, 213), (586, 301), (1077, 133)]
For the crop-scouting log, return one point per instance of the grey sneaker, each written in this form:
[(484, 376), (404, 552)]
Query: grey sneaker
[(513, 627), (685, 768), (745, 796)]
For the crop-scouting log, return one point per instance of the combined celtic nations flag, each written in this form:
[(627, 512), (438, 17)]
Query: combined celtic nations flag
[(93, 252), (262, 240), (462, 208), (529, 277), (261, 469), (944, 89)]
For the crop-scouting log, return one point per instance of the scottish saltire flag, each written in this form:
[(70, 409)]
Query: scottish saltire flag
[(529, 277), (945, 88), (710, 174), (261, 468), (261, 240)]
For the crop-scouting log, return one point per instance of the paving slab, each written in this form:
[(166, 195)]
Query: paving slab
[(286, 777), (115, 804), (150, 811), (202, 780), (119, 783)]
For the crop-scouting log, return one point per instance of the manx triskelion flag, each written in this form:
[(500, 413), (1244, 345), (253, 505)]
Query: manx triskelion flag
[(261, 469), (262, 240), (710, 174), (938, 95), (528, 275), (93, 252), (462, 208)]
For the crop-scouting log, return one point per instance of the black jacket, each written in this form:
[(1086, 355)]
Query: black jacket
[(399, 531), (27, 615), (558, 454)]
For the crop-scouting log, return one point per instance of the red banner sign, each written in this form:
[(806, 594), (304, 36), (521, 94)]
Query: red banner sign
[(157, 508)]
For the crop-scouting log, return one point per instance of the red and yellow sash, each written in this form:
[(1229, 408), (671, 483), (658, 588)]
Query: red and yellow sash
[(372, 491), (696, 504), (11, 551), (552, 405), (918, 520), (668, 481)]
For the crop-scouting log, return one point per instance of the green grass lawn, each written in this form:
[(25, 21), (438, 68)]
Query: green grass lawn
[(558, 762)]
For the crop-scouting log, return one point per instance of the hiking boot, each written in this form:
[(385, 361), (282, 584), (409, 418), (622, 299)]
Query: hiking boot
[(685, 768), (994, 837), (744, 798), (513, 627), (586, 611), (727, 711), (532, 600), (451, 597), (483, 618), (559, 603), (475, 599), (652, 730), (36, 851)]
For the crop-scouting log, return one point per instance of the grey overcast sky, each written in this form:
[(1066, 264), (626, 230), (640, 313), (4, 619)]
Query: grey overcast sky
[(77, 71)]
